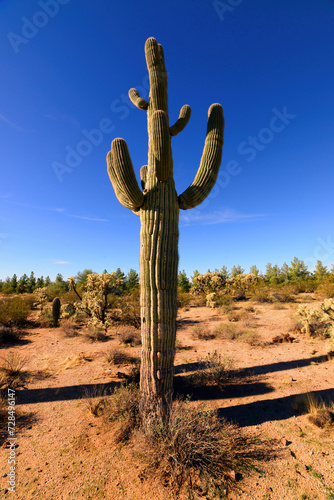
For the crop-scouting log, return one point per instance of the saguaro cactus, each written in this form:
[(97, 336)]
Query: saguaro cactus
[(158, 206)]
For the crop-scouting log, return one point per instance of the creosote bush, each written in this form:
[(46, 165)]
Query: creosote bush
[(215, 369), (14, 311), (202, 333), (118, 357)]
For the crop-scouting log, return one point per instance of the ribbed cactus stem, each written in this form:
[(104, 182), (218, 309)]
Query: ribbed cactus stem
[(182, 120), (137, 100), (55, 310), (210, 162), (158, 207)]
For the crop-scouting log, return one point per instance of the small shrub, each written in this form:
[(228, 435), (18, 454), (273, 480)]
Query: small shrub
[(320, 413), (95, 400), (95, 335), (11, 371), (251, 337), (10, 335), (213, 370), (200, 333), (118, 357), (193, 450), (326, 290), (130, 338), (284, 294), (262, 294), (226, 331), (124, 407), (69, 329), (14, 311)]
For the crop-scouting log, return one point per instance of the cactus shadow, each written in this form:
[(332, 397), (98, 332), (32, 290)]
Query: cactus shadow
[(54, 394), (258, 412)]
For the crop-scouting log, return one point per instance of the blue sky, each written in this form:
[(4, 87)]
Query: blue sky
[(66, 68)]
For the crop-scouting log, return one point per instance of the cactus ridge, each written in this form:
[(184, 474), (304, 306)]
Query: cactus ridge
[(158, 206)]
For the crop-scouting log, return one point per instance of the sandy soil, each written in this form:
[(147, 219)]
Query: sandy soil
[(65, 452)]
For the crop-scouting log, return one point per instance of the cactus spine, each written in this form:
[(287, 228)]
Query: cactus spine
[(158, 207), (55, 310)]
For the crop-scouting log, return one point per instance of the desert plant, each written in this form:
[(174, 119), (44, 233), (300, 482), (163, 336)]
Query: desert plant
[(328, 313), (11, 371), (130, 338), (94, 300), (311, 318), (55, 310), (213, 370), (14, 311), (10, 334), (226, 331), (118, 357), (158, 207), (95, 400), (201, 333)]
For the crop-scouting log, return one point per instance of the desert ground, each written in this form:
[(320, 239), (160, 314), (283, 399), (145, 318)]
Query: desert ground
[(65, 451)]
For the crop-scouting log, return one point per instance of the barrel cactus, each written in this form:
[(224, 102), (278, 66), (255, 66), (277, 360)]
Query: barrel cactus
[(158, 205)]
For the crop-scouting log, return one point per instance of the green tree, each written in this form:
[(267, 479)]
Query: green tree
[(131, 280), (254, 270), (320, 270), (225, 272), (31, 284), (183, 282), (40, 282), (285, 272), (47, 281), (81, 277), (236, 270), (14, 283), (298, 269), (22, 284)]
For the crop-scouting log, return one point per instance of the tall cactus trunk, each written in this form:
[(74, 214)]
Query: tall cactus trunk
[(158, 274), (158, 207)]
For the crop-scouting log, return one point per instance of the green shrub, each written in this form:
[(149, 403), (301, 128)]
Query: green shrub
[(14, 311), (213, 370), (201, 333)]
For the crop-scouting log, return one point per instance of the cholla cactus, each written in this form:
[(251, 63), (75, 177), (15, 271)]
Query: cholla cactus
[(95, 299), (242, 284), (308, 316), (158, 206), (209, 282), (211, 300), (328, 311), (40, 298)]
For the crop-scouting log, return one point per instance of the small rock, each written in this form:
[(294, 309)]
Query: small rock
[(5, 475), (269, 488), (285, 442), (233, 475)]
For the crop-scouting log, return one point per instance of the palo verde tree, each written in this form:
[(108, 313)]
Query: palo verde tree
[(158, 205)]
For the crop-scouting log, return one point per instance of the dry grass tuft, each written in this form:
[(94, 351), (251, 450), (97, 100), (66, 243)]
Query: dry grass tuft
[(321, 413), (118, 357), (11, 371), (130, 338), (201, 333), (76, 360), (95, 400), (215, 369)]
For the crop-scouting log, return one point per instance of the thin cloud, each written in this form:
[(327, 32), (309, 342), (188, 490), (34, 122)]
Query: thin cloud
[(57, 210), (61, 262), (218, 217), (14, 125)]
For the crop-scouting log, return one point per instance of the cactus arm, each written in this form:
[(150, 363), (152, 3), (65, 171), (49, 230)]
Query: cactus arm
[(122, 175), (137, 100), (211, 158), (161, 144), (182, 120)]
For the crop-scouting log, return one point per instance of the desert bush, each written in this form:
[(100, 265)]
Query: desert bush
[(10, 334), (11, 371), (283, 294), (95, 400), (250, 337), (312, 320), (213, 370), (95, 335), (118, 357), (326, 290), (183, 298), (129, 308), (262, 294), (14, 311), (130, 338), (320, 413), (226, 331), (123, 406), (328, 314), (201, 333), (69, 329), (193, 450)]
